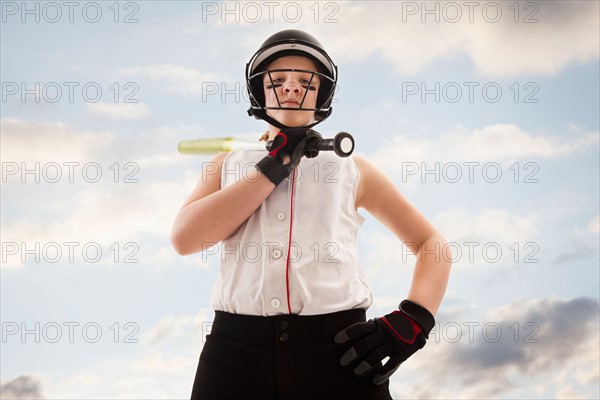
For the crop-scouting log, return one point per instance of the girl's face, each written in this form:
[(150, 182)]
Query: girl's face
[(293, 89)]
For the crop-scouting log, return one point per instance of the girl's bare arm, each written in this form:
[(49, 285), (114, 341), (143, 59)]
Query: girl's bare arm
[(381, 198), (211, 214)]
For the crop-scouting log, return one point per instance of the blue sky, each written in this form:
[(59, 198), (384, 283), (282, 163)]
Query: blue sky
[(501, 153)]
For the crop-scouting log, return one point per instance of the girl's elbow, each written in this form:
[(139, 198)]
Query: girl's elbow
[(184, 244), (178, 243)]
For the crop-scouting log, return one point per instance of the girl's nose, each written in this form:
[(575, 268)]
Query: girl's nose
[(291, 87)]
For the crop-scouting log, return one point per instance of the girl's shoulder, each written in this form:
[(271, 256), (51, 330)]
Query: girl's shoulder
[(372, 181)]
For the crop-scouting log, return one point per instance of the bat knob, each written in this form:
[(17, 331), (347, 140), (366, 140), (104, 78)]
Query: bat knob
[(343, 144)]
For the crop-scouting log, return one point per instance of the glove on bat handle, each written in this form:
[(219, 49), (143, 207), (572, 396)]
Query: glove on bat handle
[(342, 144)]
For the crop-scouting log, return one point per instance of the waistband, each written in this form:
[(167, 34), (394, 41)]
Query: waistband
[(286, 329)]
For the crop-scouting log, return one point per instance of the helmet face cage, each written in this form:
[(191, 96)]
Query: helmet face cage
[(323, 100), (281, 44)]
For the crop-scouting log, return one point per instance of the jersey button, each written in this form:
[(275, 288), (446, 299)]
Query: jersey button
[(275, 303), (277, 254), (280, 216)]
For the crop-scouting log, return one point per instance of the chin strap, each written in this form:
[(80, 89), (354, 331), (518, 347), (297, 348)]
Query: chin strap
[(274, 122)]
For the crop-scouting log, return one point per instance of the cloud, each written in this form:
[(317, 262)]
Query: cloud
[(572, 251), (563, 35), (22, 387), (558, 33), (502, 143), (45, 142), (163, 366), (161, 362), (475, 239), (99, 217), (180, 79), (150, 375), (127, 204), (581, 245), (557, 331), (500, 225), (128, 111), (24, 141), (511, 352), (172, 327)]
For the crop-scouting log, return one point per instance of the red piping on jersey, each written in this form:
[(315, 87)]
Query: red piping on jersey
[(287, 264)]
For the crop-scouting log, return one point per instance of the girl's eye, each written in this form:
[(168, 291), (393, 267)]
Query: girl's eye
[(277, 82), (305, 84)]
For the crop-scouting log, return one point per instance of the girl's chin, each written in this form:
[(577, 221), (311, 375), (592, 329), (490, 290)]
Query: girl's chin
[(297, 119)]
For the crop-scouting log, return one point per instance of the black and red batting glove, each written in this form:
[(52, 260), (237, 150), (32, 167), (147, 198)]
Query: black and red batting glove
[(288, 142), (397, 335)]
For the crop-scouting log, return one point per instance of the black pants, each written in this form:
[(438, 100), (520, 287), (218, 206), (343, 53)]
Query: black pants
[(284, 357)]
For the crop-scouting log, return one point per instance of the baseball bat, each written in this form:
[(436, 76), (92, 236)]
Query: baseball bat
[(342, 144)]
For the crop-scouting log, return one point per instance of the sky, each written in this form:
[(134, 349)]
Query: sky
[(484, 114)]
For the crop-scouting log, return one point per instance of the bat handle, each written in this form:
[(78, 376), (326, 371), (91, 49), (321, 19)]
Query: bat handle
[(342, 144)]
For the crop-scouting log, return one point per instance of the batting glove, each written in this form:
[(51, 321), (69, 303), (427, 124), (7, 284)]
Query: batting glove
[(397, 335), (288, 142)]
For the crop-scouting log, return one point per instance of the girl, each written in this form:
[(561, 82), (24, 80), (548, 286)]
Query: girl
[(290, 299)]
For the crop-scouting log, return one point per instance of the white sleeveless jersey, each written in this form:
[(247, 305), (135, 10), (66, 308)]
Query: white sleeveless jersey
[(297, 253)]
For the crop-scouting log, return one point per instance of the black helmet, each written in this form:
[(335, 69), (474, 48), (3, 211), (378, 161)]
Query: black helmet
[(290, 42)]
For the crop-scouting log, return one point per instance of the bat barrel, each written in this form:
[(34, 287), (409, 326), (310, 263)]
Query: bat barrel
[(206, 146)]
